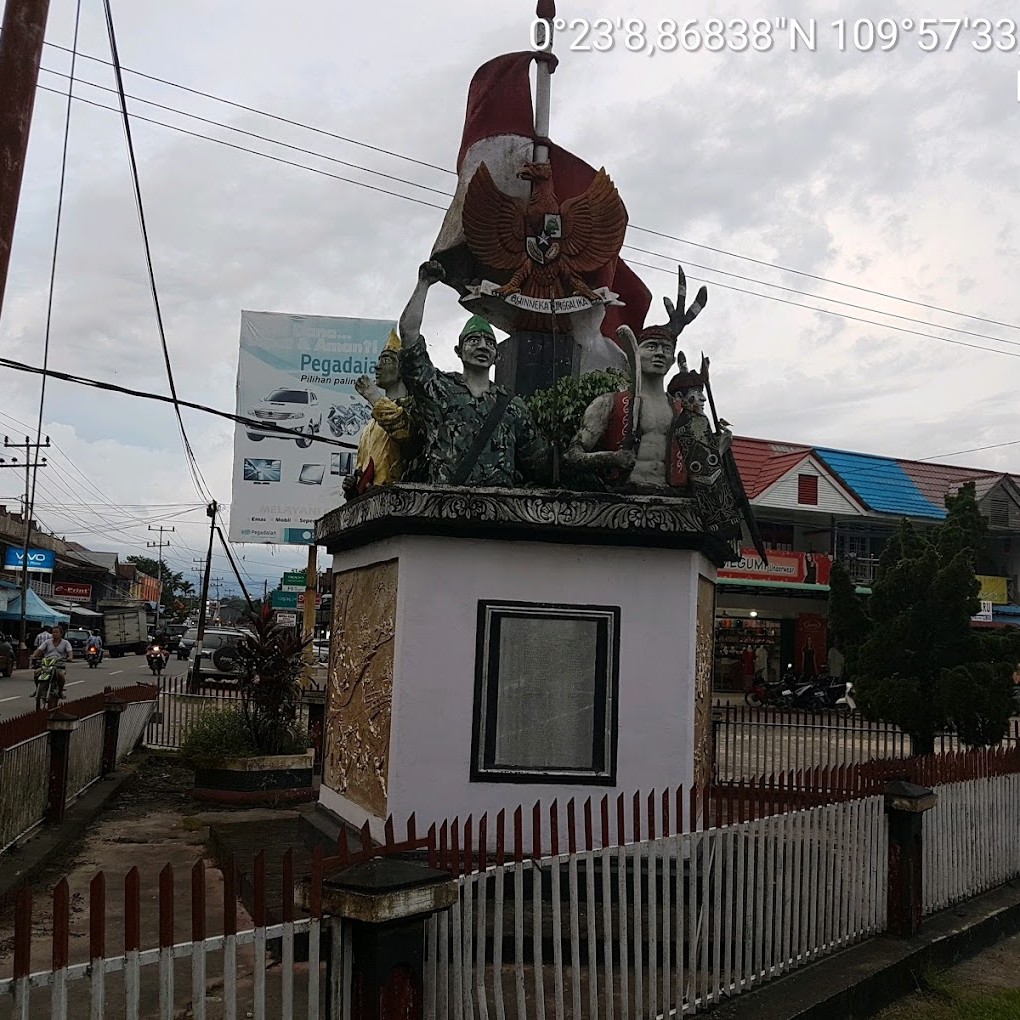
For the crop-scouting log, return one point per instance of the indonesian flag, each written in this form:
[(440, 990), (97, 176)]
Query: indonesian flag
[(499, 130)]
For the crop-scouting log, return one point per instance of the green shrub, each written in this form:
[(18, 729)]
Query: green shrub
[(224, 733)]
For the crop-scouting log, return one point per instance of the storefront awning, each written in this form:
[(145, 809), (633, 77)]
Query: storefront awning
[(35, 610), (65, 607)]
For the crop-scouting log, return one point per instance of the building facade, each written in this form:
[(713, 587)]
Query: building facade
[(815, 505)]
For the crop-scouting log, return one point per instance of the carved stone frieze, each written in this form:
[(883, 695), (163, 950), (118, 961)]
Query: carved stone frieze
[(358, 708), (608, 518)]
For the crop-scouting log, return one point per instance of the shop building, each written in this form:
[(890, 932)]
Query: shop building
[(815, 505)]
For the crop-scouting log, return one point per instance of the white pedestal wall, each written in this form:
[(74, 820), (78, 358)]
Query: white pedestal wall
[(440, 581)]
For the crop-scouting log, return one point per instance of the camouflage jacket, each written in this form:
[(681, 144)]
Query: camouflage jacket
[(447, 418)]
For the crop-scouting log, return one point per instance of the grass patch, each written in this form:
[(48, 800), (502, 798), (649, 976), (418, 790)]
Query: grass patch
[(940, 999)]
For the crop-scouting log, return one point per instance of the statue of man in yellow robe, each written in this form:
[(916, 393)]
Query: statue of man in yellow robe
[(379, 457)]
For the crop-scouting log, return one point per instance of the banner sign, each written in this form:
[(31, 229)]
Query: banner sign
[(297, 372), (40, 561), (985, 616), (993, 589), (783, 567), (294, 580), (292, 600), (72, 591)]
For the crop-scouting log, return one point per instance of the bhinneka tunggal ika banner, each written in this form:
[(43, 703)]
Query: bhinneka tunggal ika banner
[(297, 372)]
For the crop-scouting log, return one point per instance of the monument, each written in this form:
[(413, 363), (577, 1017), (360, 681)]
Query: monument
[(501, 632)]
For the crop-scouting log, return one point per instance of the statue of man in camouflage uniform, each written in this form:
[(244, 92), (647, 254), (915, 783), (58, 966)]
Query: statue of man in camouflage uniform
[(472, 432)]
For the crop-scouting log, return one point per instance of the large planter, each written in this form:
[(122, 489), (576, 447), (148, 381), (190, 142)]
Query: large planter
[(264, 779)]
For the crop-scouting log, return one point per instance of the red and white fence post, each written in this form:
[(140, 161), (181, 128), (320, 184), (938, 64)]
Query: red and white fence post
[(905, 803), (111, 733), (60, 726)]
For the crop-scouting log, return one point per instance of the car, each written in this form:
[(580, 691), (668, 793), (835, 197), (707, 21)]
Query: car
[(174, 633), (218, 661), (321, 648), (296, 409), (78, 637)]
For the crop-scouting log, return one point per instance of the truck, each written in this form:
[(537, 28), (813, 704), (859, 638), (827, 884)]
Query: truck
[(126, 629)]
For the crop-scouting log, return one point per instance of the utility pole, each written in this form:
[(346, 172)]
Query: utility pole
[(216, 581), (28, 446), (161, 545), (21, 43), (211, 513)]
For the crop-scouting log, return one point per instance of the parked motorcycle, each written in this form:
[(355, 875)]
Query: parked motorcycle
[(846, 705), (47, 683), (93, 656), (156, 659), (765, 693)]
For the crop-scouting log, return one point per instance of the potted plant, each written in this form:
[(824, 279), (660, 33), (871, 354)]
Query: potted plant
[(256, 752)]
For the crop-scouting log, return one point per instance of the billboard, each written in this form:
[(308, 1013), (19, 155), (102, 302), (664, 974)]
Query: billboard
[(795, 567), (297, 372), (40, 561)]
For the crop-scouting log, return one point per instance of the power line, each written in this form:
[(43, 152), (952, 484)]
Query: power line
[(193, 467), (446, 170), (20, 366), (633, 262), (973, 449)]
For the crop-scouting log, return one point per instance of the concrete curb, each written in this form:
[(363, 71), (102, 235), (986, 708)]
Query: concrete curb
[(21, 863), (861, 981)]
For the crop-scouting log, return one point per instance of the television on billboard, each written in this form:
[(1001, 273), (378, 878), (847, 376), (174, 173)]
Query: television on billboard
[(297, 373)]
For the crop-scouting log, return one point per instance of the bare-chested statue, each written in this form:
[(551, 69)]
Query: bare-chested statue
[(638, 439)]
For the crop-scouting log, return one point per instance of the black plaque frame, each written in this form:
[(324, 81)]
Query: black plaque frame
[(607, 688)]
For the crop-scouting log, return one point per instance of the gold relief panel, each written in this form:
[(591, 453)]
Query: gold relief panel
[(703, 658), (359, 704)]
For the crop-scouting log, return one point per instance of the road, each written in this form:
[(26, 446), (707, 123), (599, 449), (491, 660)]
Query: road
[(17, 694)]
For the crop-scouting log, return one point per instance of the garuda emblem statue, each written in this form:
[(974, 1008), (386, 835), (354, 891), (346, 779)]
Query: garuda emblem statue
[(546, 246)]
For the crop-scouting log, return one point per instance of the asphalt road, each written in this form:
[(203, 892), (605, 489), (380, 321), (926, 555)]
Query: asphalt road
[(17, 694)]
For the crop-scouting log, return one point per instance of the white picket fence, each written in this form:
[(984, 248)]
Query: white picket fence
[(661, 927), (970, 840)]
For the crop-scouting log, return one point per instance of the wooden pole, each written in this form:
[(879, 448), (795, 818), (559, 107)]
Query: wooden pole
[(21, 43)]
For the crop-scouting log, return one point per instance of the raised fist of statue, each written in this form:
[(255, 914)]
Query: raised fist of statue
[(431, 272)]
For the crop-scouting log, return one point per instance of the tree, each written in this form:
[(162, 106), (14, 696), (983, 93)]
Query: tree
[(917, 661), (178, 593)]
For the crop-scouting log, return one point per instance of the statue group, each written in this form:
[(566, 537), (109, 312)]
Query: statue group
[(462, 429)]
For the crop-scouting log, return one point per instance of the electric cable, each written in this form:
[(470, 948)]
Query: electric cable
[(196, 472), (632, 262), (446, 170)]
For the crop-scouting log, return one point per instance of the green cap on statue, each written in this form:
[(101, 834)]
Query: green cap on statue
[(476, 324)]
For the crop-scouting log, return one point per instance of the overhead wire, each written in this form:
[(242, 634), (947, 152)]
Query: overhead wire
[(193, 466), (633, 262), (446, 170)]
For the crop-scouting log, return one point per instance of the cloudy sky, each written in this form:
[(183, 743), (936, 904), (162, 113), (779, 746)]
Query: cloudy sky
[(892, 175)]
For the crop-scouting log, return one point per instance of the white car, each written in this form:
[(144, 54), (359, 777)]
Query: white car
[(296, 409)]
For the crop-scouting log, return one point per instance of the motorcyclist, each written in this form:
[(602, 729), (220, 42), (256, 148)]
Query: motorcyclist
[(56, 644), (94, 642)]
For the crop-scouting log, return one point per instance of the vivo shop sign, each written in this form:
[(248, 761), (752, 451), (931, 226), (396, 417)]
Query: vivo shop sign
[(41, 561)]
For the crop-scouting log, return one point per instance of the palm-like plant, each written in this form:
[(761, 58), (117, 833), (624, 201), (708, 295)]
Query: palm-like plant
[(271, 660)]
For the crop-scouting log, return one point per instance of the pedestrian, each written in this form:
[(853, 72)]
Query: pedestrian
[(42, 637)]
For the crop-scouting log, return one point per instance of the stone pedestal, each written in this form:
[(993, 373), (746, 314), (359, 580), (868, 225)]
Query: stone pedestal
[(494, 647), (527, 362)]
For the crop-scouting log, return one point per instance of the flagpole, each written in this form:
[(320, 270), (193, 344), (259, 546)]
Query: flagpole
[(546, 10)]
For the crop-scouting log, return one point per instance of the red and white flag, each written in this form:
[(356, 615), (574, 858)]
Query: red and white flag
[(499, 131)]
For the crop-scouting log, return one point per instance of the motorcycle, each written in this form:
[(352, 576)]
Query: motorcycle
[(846, 705), (47, 683), (765, 693), (156, 659), (93, 656)]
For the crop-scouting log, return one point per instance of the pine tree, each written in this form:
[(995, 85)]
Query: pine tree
[(917, 662)]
